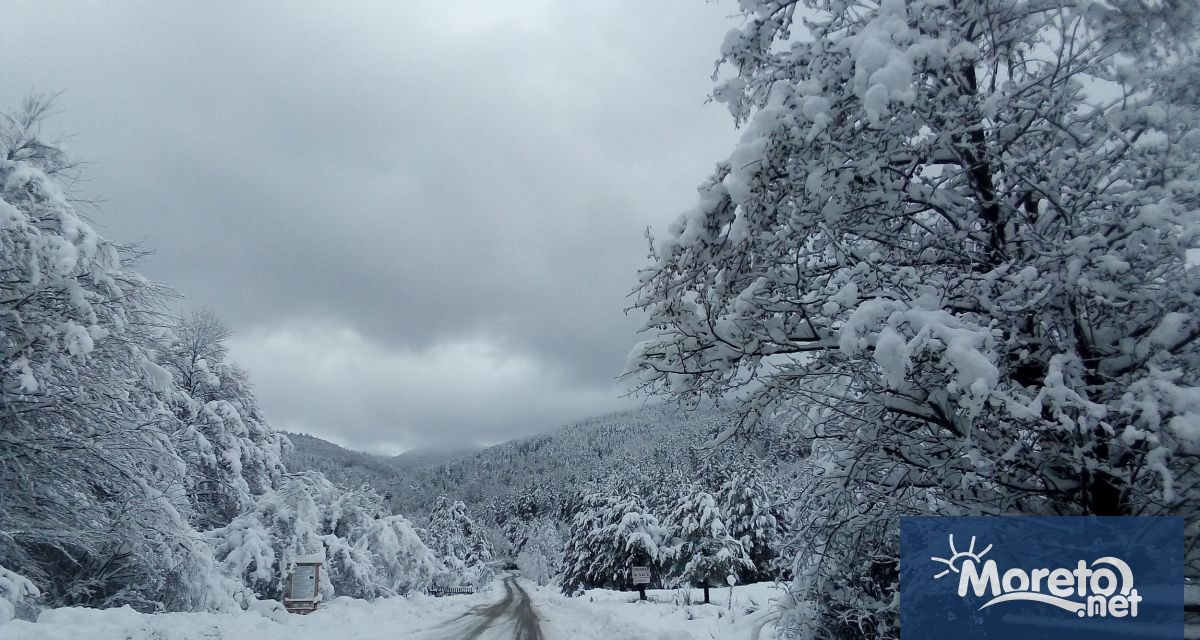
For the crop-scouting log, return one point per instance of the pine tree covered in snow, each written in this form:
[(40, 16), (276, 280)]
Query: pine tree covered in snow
[(520, 513), (608, 536), (703, 552), (750, 519), (951, 248), (461, 543)]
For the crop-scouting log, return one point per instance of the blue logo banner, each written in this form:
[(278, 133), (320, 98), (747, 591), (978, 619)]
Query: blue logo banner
[(1031, 577)]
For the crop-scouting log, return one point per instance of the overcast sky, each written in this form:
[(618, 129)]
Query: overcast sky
[(421, 219)]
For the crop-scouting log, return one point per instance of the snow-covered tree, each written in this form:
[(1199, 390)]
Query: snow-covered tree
[(398, 560), (93, 504), (520, 513), (233, 455), (366, 554), (197, 344), (461, 543), (750, 519), (703, 552), (541, 557), (953, 240), (608, 536)]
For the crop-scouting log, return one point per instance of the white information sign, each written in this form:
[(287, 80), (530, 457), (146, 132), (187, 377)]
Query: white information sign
[(641, 575), (304, 582)]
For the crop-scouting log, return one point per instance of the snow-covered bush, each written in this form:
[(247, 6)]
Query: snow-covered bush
[(400, 561), (18, 595)]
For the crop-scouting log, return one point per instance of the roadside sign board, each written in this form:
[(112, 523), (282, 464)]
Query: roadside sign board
[(303, 587), (641, 575)]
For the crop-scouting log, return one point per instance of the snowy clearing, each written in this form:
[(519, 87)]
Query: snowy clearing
[(598, 614)]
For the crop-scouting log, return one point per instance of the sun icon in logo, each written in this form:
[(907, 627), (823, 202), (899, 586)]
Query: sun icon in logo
[(957, 557)]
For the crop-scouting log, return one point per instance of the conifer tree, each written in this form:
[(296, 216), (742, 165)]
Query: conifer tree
[(749, 518), (462, 544), (609, 535), (703, 551)]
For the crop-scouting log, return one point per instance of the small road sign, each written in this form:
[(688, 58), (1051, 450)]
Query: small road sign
[(641, 578)]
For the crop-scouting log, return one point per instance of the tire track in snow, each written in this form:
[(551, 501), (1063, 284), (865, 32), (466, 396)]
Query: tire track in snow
[(515, 610)]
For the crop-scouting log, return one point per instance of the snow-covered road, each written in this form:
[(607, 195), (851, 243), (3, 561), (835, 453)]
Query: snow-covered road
[(512, 617), (511, 609)]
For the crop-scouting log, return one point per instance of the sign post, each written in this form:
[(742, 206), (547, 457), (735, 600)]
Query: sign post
[(641, 578), (304, 588)]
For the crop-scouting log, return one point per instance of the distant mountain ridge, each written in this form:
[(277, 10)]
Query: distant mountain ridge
[(352, 468), (430, 456)]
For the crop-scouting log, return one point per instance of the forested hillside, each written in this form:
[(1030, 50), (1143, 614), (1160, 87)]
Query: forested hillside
[(313, 453), (354, 468), (626, 448), (586, 501), (629, 446)]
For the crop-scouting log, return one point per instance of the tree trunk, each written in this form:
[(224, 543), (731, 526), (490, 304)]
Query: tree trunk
[(706, 601), (1105, 497)]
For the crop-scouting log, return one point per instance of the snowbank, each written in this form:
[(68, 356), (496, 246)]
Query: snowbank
[(339, 619), (668, 614)]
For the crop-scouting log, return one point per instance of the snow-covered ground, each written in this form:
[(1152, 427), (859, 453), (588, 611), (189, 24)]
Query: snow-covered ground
[(666, 615), (597, 615)]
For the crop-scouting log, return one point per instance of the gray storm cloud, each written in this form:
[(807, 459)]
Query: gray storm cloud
[(420, 219)]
